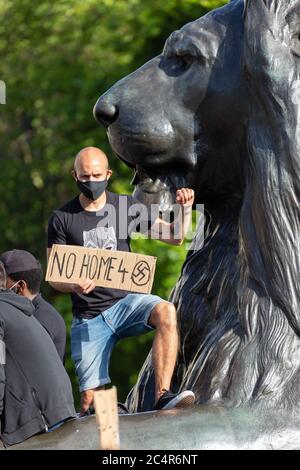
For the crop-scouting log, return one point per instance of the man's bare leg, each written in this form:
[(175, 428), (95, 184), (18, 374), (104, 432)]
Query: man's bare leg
[(87, 399), (165, 345)]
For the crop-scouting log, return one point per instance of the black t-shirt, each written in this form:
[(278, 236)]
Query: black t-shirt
[(53, 323), (109, 228)]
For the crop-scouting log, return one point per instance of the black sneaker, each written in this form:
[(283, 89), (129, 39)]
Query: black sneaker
[(169, 400), (122, 409)]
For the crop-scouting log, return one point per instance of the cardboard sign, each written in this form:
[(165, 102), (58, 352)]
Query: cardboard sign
[(107, 268), (106, 406)]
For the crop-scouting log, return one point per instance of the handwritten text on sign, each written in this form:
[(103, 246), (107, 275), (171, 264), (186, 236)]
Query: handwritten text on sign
[(107, 268)]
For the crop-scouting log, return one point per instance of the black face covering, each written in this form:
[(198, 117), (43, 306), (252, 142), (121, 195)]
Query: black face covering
[(92, 189)]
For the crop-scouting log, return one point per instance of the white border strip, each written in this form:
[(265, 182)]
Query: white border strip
[(2, 353), (2, 92)]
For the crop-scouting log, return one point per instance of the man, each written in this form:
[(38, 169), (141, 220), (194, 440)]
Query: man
[(35, 390), (24, 276), (102, 316)]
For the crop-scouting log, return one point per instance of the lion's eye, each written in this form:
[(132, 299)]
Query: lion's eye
[(177, 65), (186, 59)]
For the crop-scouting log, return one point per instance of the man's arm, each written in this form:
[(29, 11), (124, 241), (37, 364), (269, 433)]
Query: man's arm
[(175, 232), (2, 371)]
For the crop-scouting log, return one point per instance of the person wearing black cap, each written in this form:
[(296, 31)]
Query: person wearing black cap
[(35, 390), (24, 276)]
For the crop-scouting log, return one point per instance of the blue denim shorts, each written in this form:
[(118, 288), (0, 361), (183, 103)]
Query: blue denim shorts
[(92, 341)]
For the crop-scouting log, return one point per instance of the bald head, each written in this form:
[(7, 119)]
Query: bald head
[(88, 155), (91, 164)]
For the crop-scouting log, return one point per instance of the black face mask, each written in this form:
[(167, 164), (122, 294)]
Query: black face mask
[(92, 189)]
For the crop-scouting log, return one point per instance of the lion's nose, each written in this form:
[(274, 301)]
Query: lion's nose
[(104, 112)]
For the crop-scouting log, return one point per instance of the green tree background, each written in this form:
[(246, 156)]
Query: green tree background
[(57, 58)]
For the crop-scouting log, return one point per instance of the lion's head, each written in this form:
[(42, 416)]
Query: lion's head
[(218, 110), (179, 119)]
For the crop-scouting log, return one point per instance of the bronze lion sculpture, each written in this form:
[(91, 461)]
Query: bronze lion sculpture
[(218, 111)]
